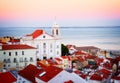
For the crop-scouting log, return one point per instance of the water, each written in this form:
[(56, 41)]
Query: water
[(105, 38)]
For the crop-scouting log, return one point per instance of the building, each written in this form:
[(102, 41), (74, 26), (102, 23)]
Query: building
[(48, 46), (27, 75), (7, 77), (57, 75), (17, 56)]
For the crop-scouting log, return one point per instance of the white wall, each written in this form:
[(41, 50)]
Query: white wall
[(28, 53)]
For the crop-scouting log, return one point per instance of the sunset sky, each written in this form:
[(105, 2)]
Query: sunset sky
[(44, 13)]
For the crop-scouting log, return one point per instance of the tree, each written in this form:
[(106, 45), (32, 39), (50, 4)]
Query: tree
[(64, 50)]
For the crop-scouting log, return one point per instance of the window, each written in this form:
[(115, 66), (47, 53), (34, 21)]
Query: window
[(44, 36), (9, 65), (4, 53), (21, 59), (44, 45), (17, 65), (57, 46), (44, 57), (5, 61), (31, 59), (37, 46), (22, 52), (16, 53), (8, 61), (44, 51), (57, 32), (4, 65), (50, 45), (9, 53), (25, 60), (15, 60), (50, 50), (25, 64), (57, 52)]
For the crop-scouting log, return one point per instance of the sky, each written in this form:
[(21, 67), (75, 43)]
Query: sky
[(37, 13)]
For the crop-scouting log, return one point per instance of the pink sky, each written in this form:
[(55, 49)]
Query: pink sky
[(67, 12)]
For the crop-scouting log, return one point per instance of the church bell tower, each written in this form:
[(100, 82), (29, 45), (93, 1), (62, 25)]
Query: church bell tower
[(56, 30)]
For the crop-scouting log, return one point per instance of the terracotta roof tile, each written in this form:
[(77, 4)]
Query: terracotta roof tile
[(69, 81), (58, 59), (36, 33), (50, 72), (29, 72), (7, 77), (96, 77), (116, 78), (16, 46)]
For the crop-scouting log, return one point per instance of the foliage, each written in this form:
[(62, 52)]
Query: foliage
[(64, 50)]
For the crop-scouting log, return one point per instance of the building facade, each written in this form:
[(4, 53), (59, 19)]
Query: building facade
[(17, 56), (48, 46)]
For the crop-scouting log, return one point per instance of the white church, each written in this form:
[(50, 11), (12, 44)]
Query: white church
[(48, 46)]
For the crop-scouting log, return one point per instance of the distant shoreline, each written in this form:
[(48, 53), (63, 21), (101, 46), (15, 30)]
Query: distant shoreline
[(68, 27)]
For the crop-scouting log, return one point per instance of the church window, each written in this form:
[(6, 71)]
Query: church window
[(50, 50), (44, 45), (37, 46), (57, 46), (57, 52), (44, 36), (57, 32), (50, 45)]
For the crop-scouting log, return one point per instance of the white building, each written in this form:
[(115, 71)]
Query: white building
[(17, 56), (48, 46)]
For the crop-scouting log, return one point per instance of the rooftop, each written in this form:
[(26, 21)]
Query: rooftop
[(16, 46)]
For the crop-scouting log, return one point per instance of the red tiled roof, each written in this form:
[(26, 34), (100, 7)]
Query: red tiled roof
[(29, 72), (116, 78), (86, 48), (79, 53), (107, 65), (58, 59), (36, 33), (15, 40), (12, 47), (96, 77), (69, 81), (64, 57), (104, 71), (83, 76), (51, 72), (7, 77), (80, 59), (91, 57), (51, 62), (41, 65)]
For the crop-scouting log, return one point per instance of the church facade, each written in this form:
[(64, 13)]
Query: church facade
[(48, 46)]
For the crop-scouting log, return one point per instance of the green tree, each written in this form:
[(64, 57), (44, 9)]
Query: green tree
[(64, 50)]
